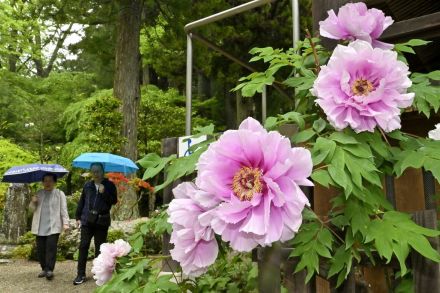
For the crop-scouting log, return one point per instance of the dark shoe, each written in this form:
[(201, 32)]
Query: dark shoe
[(42, 274), (79, 280), (49, 275)]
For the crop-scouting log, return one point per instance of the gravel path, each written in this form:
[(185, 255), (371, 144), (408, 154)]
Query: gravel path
[(20, 276)]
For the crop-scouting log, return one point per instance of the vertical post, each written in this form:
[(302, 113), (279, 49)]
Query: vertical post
[(429, 190), (189, 61), (264, 105), (389, 187), (169, 147), (295, 22), (426, 272), (269, 269)]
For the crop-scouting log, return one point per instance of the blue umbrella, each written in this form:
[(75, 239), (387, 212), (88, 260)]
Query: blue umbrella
[(112, 163), (32, 173)]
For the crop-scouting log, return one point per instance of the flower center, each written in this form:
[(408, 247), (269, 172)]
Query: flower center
[(246, 182), (362, 87)]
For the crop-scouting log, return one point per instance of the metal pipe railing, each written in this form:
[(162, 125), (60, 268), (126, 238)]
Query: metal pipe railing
[(218, 16)]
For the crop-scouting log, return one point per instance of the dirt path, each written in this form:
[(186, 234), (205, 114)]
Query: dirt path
[(21, 277)]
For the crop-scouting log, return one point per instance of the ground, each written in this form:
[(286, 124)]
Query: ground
[(20, 276)]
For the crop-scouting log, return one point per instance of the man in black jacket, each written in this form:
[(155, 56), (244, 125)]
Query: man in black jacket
[(93, 215)]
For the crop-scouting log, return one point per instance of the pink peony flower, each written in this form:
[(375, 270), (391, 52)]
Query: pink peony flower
[(254, 176), (104, 264), (195, 247), (435, 133), (356, 21), (362, 87), (103, 267)]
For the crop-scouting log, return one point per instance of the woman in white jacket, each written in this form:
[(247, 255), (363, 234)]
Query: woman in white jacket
[(50, 219)]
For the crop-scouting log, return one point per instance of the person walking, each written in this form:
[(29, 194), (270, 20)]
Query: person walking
[(49, 219), (93, 216)]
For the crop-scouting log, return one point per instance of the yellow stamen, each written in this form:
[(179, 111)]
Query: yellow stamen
[(362, 87), (247, 182)]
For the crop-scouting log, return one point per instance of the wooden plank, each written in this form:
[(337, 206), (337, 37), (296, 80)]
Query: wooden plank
[(375, 278), (296, 282), (169, 147), (409, 192), (426, 272), (269, 269), (423, 27)]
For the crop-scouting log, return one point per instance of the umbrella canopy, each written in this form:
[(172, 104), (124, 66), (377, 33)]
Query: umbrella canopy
[(112, 163), (32, 173)]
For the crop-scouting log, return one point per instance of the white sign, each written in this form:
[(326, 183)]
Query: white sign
[(185, 142)]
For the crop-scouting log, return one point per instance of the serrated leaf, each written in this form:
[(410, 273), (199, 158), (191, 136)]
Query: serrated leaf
[(343, 138), (322, 177), (422, 246)]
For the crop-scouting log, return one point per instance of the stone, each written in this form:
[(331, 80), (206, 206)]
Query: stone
[(15, 213)]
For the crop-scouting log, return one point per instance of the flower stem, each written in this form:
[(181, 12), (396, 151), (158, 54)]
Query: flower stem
[(324, 224), (319, 168), (315, 54), (384, 136)]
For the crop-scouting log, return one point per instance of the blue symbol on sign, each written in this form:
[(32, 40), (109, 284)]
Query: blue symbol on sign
[(188, 151)]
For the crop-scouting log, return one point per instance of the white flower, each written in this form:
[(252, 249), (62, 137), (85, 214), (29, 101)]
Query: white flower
[(435, 133)]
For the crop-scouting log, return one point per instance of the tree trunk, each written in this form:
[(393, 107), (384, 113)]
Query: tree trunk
[(127, 64), (15, 212), (37, 55), (146, 74)]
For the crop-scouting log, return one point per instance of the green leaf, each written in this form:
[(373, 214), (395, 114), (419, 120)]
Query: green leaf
[(154, 164), (206, 130), (401, 250), (303, 136), (138, 243), (270, 123), (343, 138), (341, 259), (319, 125), (422, 246), (322, 177)]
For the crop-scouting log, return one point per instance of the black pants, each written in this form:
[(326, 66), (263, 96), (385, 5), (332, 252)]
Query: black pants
[(99, 233), (47, 251)]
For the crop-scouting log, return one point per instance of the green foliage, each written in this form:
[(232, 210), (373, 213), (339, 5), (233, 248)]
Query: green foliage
[(362, 223), (427, 95), (230, 273), (72, 202), (162, 114), (418, 153), (115, 234), (147, 236), (11, 155), (174, 167), (24, 251)]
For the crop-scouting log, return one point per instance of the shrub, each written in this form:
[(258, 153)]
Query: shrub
[(116, 234), (25, 251)]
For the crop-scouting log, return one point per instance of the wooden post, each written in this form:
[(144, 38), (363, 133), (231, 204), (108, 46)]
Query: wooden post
[(169, 147), (426, 272), (269, 269)]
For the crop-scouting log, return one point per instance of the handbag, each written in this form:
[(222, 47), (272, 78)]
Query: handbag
[(103, 220)]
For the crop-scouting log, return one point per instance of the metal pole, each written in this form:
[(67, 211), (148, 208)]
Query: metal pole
[(263, 105), (188, 84), (226, 13), (295, 21)]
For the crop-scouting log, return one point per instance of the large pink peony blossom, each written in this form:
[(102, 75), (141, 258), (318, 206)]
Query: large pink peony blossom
[(356, 22), (253, 176), (104, 264), (195, 247), (362, 87)]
